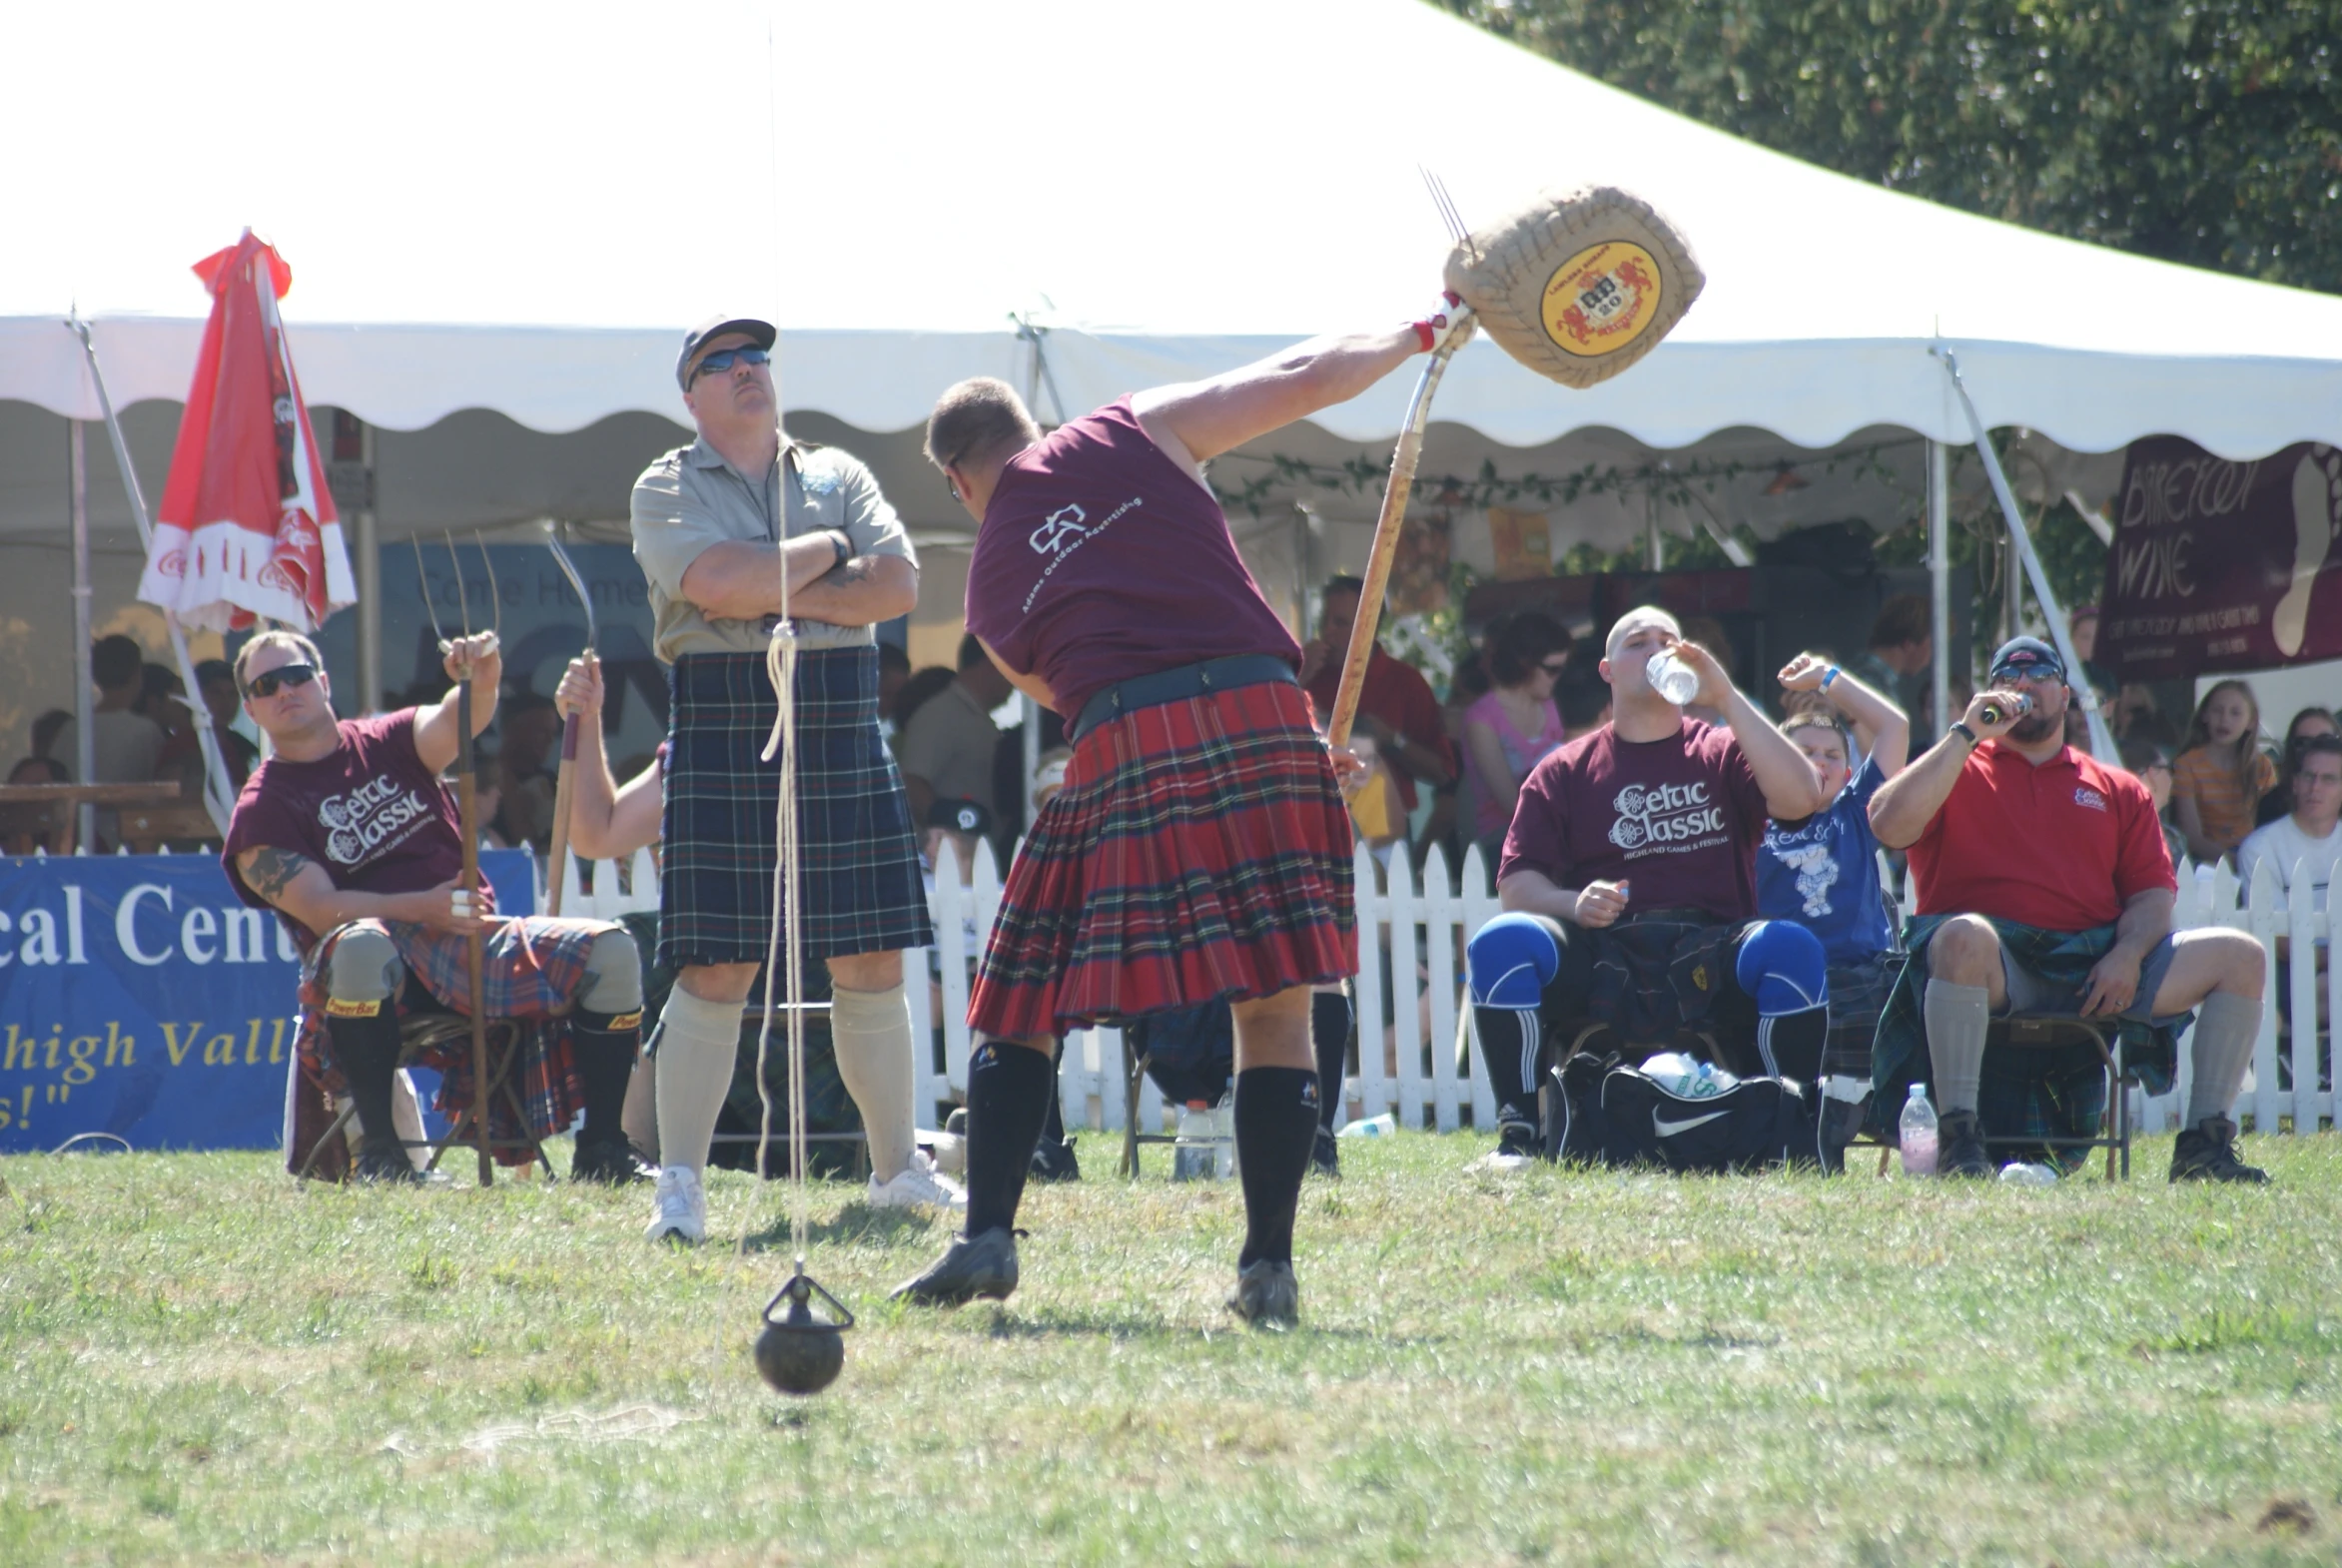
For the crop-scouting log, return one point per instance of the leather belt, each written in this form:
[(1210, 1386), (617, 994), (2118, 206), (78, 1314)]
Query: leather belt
[(1178, 684)]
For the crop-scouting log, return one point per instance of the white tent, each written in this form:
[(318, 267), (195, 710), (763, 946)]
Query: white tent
[(500, 217)]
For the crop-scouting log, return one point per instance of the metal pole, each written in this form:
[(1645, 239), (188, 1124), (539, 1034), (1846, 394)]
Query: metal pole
[(85, 719), (369, 572), (1940, 578), (2101, 738)]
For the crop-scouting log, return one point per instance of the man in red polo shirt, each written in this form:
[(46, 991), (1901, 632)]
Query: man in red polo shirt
[(2044, 887), (1396, 707)]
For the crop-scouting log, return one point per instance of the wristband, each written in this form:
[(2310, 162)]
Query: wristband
[(1960, 728), (843, 546), (1828, 676)]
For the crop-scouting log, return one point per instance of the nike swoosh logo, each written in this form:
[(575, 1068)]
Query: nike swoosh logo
[(1670, 1128)]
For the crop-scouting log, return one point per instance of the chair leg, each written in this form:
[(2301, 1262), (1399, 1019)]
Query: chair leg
[(333, 1131), (1133, 1073)]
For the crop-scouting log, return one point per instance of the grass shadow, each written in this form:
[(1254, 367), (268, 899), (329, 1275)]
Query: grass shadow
[(855, 1222)]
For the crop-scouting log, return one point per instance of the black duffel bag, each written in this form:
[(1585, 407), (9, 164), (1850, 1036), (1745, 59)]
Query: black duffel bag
[(1603, 1112)]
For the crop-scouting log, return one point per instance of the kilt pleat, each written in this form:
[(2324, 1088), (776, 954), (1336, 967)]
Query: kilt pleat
[(1199, 851), (860, 876)]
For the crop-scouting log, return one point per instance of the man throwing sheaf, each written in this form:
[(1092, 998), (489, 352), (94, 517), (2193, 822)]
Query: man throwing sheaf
[(347, 833)]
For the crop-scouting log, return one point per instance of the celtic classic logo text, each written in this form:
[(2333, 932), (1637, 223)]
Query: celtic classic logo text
[(1652, 817)]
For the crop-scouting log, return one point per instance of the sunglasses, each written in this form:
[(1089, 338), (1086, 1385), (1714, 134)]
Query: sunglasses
[(1554, 668), (725, 358), (283, 676), (2033, 674)]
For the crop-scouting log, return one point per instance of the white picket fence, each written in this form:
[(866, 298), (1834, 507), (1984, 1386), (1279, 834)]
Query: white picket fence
[(1413, 935)]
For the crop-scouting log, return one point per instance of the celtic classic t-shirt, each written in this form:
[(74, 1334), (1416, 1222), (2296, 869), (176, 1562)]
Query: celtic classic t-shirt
[(370, 812), (1678, 819)]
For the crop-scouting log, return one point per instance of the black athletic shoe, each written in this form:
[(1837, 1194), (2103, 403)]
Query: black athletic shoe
[(384, 1159), (2206, 1151), (608, 1163), (1960, 1148), (1055, 1162), (1325, 1155), (1266, 1297), (1516, 1143), (974, 1265)]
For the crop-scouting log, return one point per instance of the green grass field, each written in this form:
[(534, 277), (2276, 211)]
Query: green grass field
[(203, 1362)]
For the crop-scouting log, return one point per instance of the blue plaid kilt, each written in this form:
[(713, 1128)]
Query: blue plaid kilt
[(531, 971), (860, 878)]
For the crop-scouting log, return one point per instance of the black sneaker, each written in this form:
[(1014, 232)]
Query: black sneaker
[(607, 1161), (1325, 1155), (1266, 1297), (2206, 1151), (973, 1265), (1055, 1162), (1960, 1148), (1516, 1143), (384, 1159)]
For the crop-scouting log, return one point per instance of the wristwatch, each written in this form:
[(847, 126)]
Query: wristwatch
[(844, 545), (1959, 727)]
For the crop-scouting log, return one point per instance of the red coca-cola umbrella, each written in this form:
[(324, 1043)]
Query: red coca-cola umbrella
[(246, 528)]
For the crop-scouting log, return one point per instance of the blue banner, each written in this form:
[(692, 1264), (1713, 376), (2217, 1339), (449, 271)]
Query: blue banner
[(139, 998)]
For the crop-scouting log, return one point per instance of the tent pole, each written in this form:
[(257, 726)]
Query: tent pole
[(1940, 579), (219, 795), (85, 720), (370, 581), (2101, 738)]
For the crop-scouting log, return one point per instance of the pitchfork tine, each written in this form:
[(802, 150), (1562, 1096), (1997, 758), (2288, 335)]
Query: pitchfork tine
[(1447, 210), (495, 600), (423, 580), (463, 600)]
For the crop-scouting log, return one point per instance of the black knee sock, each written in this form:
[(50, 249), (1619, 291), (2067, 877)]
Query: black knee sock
[(1277, 1127), (1329, 1032), (605, 1062), (1792, 1044), (366, 1052), (1010, 1092), (1053, 1131), (1511, 1040)]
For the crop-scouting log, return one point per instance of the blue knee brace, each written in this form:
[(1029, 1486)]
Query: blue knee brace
[(1510, 960), (1783, 965)]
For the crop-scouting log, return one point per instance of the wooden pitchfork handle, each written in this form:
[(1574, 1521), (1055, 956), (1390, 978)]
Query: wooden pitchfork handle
[(564, 792), (1387, 528), (468, 816)]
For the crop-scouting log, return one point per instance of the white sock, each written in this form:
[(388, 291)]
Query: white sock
[(871, 1031), (639, 1120), (699, 1045), (2225, 1028), (1957, 1018)]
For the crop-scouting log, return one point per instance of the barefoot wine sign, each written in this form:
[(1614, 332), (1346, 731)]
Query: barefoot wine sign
[(2220, 565)]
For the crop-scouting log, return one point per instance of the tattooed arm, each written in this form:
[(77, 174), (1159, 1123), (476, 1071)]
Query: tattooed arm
[(303, 889)]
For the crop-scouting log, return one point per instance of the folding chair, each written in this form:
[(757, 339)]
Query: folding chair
[(2048, 1031), (419, 1034), (752, 1014), (1134, 1063)]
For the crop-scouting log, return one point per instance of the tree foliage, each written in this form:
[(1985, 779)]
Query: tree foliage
[(2205, 132)]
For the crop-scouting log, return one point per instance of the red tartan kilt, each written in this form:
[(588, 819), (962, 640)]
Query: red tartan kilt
[(1200, 850)]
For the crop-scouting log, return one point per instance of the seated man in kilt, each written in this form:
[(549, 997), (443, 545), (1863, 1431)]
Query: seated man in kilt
[(347, 833), (1669, 810), (1823, 873), (1199, 849), (716, 524), (2044, 886)]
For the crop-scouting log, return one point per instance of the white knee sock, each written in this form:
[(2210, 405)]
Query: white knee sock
[(2226, 1027), (872, 1033), (1956, 1016), (699, 1044), (639, 1121)]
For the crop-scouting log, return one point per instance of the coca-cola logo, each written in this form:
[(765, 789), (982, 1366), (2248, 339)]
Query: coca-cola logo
[(1652, 816)]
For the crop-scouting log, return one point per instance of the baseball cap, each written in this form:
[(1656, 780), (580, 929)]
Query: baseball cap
[(960, 816), (761, 333), (2026, 657)]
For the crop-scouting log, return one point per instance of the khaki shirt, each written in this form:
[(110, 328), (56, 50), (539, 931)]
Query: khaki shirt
[(951, 742), (692, 498)]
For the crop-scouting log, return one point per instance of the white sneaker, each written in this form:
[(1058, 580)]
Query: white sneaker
[(917, 1186), (679, 1208), (1502, 1161)]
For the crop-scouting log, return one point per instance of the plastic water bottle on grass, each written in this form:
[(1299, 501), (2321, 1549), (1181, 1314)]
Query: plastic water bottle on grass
[(1196, 1148), (1918, 1135)]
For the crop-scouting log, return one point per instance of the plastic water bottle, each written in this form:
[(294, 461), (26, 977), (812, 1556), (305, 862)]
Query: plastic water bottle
[(1195, 1149), (1224, 1136), (1382, 1126), (1671, 678), (1687, 1078), (1917, 1134)]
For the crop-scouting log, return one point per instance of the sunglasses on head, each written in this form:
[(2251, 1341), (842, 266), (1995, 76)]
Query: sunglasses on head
[(269, 684), (725, 358)]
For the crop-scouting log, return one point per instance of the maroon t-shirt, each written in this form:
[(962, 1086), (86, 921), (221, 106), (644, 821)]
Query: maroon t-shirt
[(1100, 559), (1678, 819), (370, 812)]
